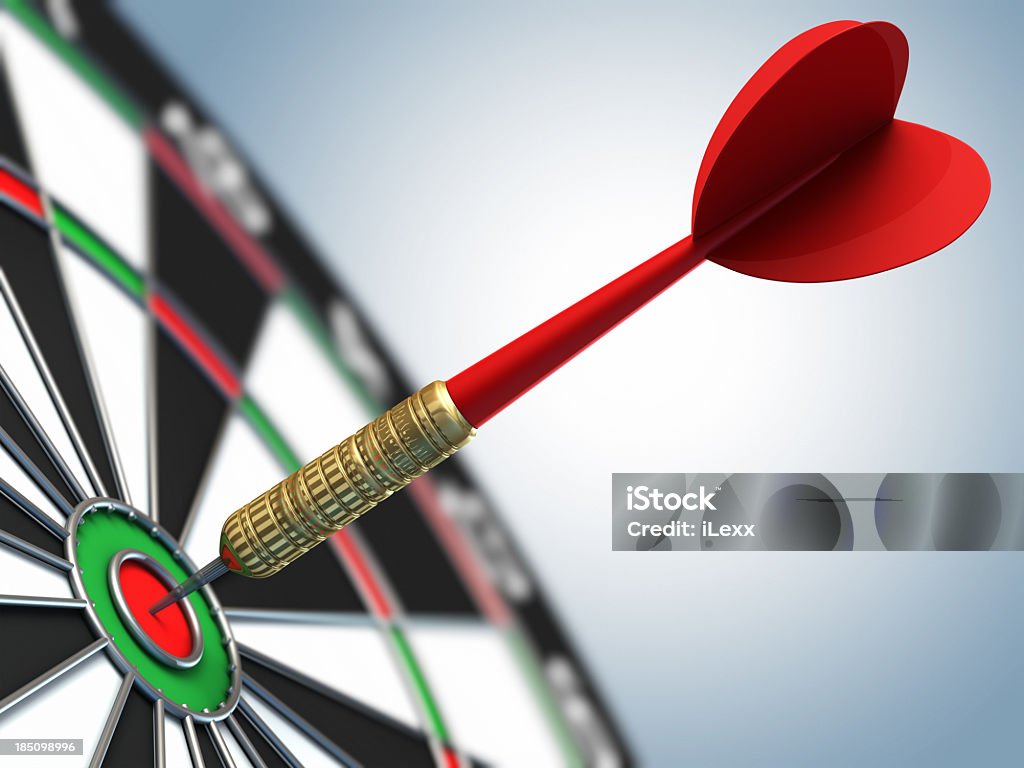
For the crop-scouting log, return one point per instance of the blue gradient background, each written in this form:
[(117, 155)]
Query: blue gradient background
[(528, 152)]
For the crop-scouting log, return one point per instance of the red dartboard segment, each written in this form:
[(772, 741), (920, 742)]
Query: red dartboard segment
[(212, 363), (141, 588), (351, 554), (481, 587), (449, 759), (20, 192), (260, 263)]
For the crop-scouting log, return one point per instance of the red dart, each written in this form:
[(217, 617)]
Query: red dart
[(807, 178)]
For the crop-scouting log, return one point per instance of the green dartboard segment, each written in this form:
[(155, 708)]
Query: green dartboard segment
[(101, 534)]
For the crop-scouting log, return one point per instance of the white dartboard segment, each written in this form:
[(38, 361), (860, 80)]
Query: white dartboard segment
[(12, 473), (21, 369), (353, 660), (74, 706), (175, 748), (241, 469), (24, 576), (298, 387), (115, 335), (305, 750), (466, 664), (82, 152), (234, 749)]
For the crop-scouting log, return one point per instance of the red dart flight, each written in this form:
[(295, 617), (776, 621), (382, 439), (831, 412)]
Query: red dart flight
[(807, 178)]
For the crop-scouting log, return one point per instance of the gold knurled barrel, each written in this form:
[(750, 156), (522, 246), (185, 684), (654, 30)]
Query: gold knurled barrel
[(353, 477)]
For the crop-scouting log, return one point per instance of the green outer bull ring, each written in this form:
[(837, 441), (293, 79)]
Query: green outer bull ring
[(229, 699)]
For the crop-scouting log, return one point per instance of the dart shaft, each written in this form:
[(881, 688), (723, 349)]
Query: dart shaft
[(353, 477), (337, 488), (484, 389), (205, 575)]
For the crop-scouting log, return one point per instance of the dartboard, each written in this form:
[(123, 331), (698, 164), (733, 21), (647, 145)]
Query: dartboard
[(170, 347)]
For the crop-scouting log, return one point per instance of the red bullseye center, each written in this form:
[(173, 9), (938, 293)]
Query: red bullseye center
[(169, 629)]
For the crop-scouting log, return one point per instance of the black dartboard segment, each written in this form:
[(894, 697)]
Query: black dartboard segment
[(206, 748), (133, 735), (29, 265), (364, 738), (266, 751), (339, 697), (10, 133), (292, 589), (189, 416), (14, 521), (38, 639), (422, 577), (199, 269), (13, 427)]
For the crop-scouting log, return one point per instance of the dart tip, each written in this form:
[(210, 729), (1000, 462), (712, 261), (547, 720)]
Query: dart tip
[(208, 573), (167, 600)]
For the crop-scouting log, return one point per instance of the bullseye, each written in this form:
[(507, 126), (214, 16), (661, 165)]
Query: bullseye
[(122, 561), (136, 581)]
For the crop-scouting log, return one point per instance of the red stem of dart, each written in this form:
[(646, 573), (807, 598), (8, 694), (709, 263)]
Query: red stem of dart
[(484, 389)]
